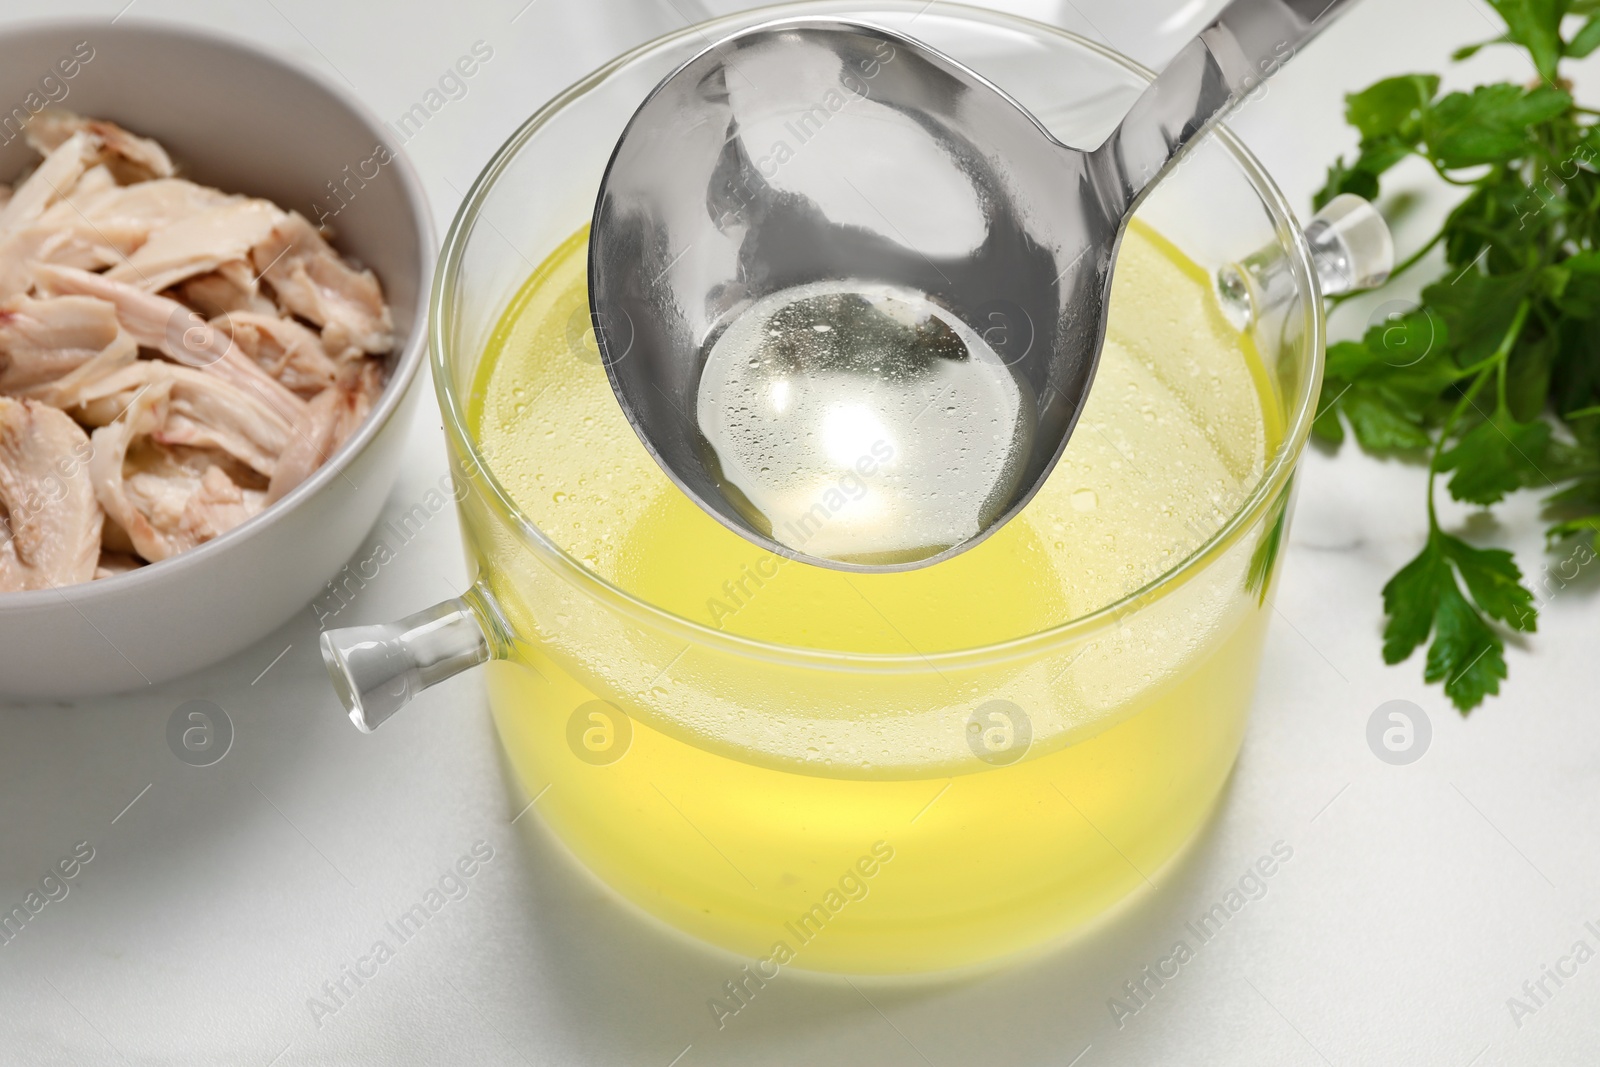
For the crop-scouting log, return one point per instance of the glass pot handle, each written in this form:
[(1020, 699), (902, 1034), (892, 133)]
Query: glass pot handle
[(1350, 248), (376, 670)]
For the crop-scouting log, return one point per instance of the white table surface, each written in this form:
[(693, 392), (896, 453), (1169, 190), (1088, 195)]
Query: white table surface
[(1418, 899)]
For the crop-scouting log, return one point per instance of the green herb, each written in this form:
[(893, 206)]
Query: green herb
[(1494, 378)]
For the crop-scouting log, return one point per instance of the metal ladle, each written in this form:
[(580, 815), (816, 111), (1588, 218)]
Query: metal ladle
[(377, 669), (823, 175)]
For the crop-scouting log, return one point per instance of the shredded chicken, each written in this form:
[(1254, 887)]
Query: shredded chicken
[(196, 244), (216, 347), (69, 390), (58, 173), (97, 223), (175, 331), (231, 288), (137, 158), (127, 215), (311, 281), (202, 411), (49, 520), (168, 498), (176, 499), (41, 340), (283, 348), (332, 417)]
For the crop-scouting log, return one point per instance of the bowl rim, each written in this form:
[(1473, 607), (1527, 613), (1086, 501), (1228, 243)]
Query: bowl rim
[(406, 363), (1273, 482)]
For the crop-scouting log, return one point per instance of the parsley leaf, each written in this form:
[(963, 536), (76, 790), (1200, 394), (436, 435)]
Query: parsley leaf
[(1410, 599), (1495, 457), (1585, 40), (1466, 654), (1489, 125), (1494, 581), (1536, 25), (1393, 107)]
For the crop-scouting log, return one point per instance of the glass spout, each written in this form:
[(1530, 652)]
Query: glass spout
[(377, 669), (1350, 246)]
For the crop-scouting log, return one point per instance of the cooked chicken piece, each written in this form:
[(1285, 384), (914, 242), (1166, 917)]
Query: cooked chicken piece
[(178, 333), (311, 446), (110, 444), (25, 236), (201, 411), (127, 215), (96, 224), (219, 505), (114, 563), (41, 340), (231, 288), (69, 390), (210, 412), (198, 243), (84, 195), (49, 520), (168, 499), (135, 158), (333, 415), (53, 179), (283, 348), (64, 234), (105, 400), (311, 281)]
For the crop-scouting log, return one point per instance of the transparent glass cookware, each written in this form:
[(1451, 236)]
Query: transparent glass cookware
[(838, 810)]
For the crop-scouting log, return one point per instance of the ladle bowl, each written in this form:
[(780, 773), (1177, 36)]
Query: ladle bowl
[(866, 182)]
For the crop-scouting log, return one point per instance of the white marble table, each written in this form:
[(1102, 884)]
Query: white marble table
[(219, 900)]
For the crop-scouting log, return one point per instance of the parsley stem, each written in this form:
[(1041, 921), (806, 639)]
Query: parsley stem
[(1493, 365), (1414, 258), (1410, 261)]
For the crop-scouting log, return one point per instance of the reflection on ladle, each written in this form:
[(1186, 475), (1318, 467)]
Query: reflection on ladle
[(861, 422), (816, 175)]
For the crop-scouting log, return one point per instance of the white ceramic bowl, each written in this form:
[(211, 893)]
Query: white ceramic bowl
[(244, 121)]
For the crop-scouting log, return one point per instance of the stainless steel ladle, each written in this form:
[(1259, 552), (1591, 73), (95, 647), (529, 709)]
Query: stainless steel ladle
[(813, 151), (376, 669)]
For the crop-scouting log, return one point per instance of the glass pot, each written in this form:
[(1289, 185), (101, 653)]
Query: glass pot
[(856, 812)]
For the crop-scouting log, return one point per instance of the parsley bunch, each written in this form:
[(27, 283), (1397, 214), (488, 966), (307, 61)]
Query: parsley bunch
[(1494, 378)]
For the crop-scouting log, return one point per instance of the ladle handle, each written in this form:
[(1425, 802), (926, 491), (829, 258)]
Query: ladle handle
[(376, 670), (1230, 59)]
